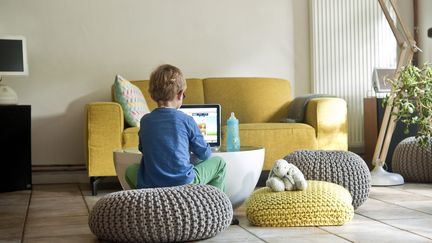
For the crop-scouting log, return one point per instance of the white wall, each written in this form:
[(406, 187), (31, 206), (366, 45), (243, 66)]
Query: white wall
[(302, 54), (425, 23), (76, 47)]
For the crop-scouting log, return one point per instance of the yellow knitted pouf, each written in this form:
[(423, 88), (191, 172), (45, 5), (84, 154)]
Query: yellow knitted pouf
[(322, 203)]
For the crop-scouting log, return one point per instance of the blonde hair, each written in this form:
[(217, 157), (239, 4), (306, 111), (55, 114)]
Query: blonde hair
[(165, 82)]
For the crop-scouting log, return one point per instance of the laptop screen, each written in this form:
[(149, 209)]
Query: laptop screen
[(207, 117)]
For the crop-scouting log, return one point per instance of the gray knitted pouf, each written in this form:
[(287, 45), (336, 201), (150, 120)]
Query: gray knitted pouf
[(413, 162), (340, 167), (169, 214)]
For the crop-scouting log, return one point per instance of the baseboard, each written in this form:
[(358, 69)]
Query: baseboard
[(59, 174)]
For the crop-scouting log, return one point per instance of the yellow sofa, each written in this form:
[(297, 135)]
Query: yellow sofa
[(259, 104)]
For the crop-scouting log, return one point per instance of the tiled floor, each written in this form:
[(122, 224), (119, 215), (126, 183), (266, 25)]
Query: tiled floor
[(59, 213)]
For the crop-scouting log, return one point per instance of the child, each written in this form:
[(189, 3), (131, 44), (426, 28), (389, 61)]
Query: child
[(166, 135)]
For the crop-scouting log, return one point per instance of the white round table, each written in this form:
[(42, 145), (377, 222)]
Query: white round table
[(243, 169)]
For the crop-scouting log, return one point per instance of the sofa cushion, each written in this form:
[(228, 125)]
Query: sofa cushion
[(278, 139), (131, 100), (322, 203)]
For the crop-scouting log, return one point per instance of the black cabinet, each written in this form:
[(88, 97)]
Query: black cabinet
[(15, 147)]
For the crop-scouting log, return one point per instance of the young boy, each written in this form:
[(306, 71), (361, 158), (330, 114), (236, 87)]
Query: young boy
[(167, 136)]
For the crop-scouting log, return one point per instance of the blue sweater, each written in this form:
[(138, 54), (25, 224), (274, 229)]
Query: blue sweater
[(165, 137)]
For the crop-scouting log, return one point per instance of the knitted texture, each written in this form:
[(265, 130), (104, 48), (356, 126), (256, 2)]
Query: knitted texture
[(322, 203), (169, 214), (341, 167), (413, 162)]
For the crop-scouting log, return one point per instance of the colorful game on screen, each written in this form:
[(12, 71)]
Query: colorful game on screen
[(207, 120)]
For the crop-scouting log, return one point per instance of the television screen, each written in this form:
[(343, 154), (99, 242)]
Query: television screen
[(13, 56)]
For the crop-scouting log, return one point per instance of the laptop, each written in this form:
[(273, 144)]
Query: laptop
[(208, 119)]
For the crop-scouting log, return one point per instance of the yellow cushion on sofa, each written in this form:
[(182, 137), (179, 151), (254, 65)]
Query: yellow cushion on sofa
[(322, 203), (277, 138)]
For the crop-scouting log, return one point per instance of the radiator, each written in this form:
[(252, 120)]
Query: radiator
[(349, 38)]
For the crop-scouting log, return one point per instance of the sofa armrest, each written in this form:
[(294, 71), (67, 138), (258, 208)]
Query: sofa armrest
[(329, 118), (104, 134)]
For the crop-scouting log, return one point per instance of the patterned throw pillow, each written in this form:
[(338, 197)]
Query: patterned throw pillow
[(131, 100)]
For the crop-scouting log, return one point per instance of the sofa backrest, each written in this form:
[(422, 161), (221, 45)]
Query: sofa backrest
[(194, 92), (253, 100)]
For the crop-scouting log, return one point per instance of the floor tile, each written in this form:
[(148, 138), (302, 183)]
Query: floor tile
[(390, 194), (57, 227), (328, 238), (16, 198), (57, 221), (55, 190), (91, 200), (57, 206), (13, 210), (380, 210), (10, 240), (421, 227), (417, 188), (359, 224), (11, 224), (234, 234), (13, 233), (243, 221), (64, 239), (390, 236), (285, 232), (422, 206)]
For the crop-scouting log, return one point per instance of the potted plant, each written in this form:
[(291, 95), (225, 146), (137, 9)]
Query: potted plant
[(411, 97)]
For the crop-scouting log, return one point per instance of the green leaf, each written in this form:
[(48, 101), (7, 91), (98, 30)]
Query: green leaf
[(412, 95)]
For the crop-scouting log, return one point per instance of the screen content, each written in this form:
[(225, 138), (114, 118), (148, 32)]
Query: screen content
[(11, 56), (206, 119)]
